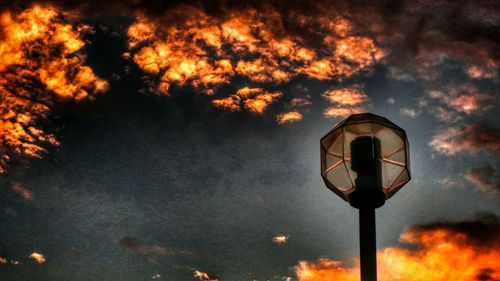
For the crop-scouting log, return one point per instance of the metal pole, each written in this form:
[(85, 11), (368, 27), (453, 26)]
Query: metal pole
[(367, 243)]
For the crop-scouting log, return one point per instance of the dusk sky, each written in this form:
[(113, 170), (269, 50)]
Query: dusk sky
[(180, 140)]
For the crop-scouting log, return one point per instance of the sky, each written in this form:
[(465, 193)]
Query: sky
[(150, 140)]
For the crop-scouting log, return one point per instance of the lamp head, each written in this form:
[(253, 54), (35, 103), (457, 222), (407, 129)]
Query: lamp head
[(365, 160)]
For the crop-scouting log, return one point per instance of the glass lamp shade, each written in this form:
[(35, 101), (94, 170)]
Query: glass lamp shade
[(365, 159)]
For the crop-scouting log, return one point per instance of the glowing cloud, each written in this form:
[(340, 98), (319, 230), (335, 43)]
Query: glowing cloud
[(442, 248), (255, 100), (336, 112), (39, 258), (346, 101), (280, 239), (40, 66), (206, 52), (202, 276), (289, 117), (345, 96)]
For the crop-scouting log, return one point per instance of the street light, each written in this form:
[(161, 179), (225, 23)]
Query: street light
[(365, 160)]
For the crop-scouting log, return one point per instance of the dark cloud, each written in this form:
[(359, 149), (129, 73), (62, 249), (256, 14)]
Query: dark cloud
[(472, 138), (462, 29), (149, 252), (485, 178), (481, 231), (482, 136), (486, 274)]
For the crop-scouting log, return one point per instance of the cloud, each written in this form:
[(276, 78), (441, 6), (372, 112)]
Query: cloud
[(464, 31), (346, 96), (436, 251), (149, 252), (336, 112), (40, 66), (458, 100), (289, 117), (427, 49), (471, 138), (421, 43), (324, 269), (280, 239), (450, 182), (184, 57), (486, 179), (255, 100), (481, 72), (10, 262), (215, 48), (39, 258), (345, 101), (203, 276), (23, 191), (300, 102), (207, 52), (397, 73), (410, 112)]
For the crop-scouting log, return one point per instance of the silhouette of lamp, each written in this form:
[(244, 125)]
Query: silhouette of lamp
[(365, 160)]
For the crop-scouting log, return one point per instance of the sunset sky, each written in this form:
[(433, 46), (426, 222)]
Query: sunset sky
[(179, 140)]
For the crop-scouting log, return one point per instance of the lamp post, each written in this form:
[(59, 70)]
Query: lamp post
[(365, 160)]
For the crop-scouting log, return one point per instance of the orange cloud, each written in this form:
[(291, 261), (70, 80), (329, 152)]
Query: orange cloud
[(346, 96), (203, 276), (324, 270), (260, 102), (289, 117), (463, 251), (207, 52), (255, 100), (346, 101), (40, 65), (39, 258), (335, 112)]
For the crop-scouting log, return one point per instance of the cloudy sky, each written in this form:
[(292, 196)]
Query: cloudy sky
[(152, 140)]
